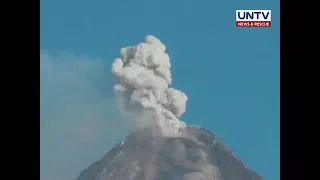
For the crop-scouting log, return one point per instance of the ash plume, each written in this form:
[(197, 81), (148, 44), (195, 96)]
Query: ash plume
[(143, 78), (143, 75), (160, 147)]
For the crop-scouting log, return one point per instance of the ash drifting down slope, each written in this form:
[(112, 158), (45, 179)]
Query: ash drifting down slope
[(161, 147)]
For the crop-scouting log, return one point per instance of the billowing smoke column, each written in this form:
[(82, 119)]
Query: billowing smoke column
[(183, 153), (143, 75)]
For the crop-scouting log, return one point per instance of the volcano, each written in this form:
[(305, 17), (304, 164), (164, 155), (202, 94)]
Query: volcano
[(145, 155)]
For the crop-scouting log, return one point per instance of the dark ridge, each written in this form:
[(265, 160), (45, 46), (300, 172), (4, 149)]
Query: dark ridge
[(146, 156)]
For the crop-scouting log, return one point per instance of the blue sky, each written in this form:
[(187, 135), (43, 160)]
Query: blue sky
[(230, 75)]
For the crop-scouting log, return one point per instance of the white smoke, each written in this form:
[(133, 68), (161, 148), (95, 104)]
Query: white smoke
[(143, 75)]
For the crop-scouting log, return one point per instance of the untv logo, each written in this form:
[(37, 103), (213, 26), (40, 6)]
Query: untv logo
[(253, 18)]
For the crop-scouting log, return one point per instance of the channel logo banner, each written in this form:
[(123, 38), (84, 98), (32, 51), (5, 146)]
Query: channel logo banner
[(253, 18)]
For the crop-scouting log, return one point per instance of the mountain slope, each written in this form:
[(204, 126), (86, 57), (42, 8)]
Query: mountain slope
[(198, 155)]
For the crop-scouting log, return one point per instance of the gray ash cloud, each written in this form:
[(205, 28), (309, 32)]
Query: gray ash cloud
[(161, 146), (143, 78)]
